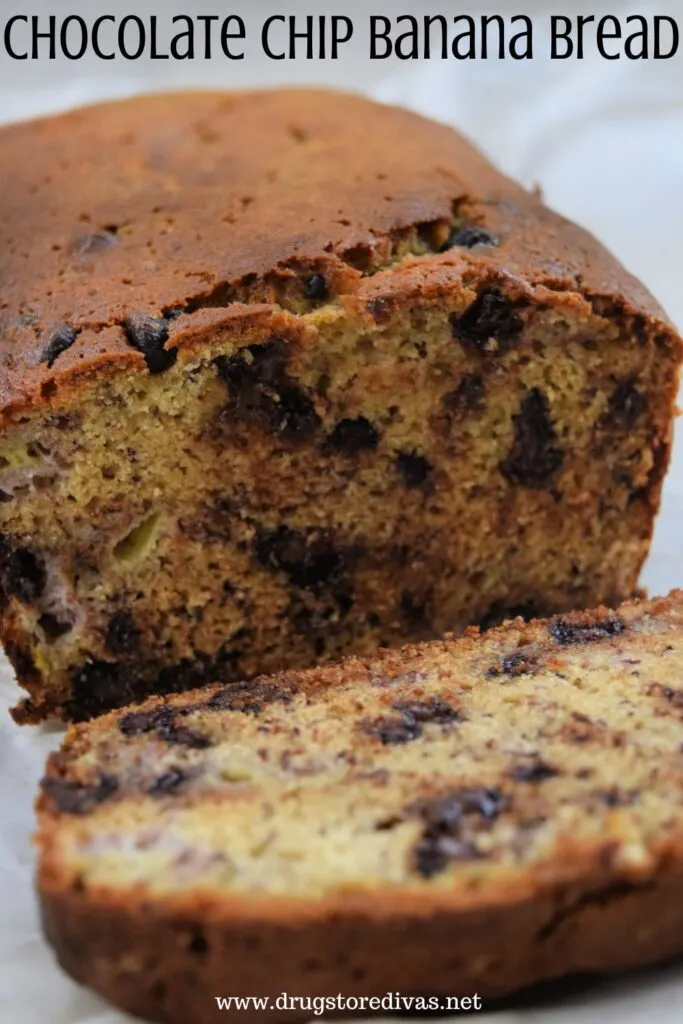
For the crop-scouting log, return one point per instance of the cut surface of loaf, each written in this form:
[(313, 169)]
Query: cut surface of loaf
[(286, 376), (472, 815)]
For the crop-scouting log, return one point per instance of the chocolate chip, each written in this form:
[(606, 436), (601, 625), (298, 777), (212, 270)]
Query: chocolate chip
[(249, 698), (53, 627), (60, 339), (535, 771), (316, 288), (490, 318), (442, 841), (22, 573), (626, 404), (137, 722), (393, 730), (73, 797), (434, 853), (468, 238), (262, 394), (414, 468), (122, 635), (182, 736), (148, 334), (353, 436), (168, 783), (534, 458), (585, 632), (467, 397), (309, 560), (521, 662), (432, 709)]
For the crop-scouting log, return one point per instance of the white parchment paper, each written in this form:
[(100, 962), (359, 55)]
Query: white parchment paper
[(605, 141)]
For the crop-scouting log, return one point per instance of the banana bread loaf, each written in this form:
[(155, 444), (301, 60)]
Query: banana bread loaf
[(290, 375), (468, 816)]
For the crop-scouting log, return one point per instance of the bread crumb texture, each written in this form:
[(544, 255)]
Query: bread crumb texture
[(288, 376), (467, 815)]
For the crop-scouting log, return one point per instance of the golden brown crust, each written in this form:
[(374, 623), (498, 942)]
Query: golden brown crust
[(168, 204), (571, 840)]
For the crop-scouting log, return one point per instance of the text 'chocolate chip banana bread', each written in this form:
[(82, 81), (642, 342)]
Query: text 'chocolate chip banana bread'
[(291, 375), (464, 816)]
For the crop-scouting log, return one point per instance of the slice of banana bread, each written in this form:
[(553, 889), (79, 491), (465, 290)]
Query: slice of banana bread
[(471, 815), (290, 375)]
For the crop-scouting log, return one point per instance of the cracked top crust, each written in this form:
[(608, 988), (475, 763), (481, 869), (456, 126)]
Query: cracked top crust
[(164, 205)]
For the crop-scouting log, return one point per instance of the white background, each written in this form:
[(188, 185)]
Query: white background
[(605, 142)]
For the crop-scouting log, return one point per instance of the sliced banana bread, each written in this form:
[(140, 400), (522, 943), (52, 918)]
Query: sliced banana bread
[(466, 816), (291, 375)]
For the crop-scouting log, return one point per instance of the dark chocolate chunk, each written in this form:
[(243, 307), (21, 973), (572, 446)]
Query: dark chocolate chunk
[(71, 797), (566, 632), (414, 468), (98, 686), (434, 853), (137, 722), (168, 783), (352, 436), (432, 709), (447, 812), (250, 698), (442, 841), (316, 288), (310, 561), (467, 397), (59, 340), (490, 318), (394, 729), (534, 771), (626, 404), (53, 627), (468, 238), (22, 573), (534, 458), (262, 394), (521, 662), (148, 334), (122, 636)]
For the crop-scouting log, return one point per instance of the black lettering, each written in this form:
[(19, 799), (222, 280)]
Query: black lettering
[(97, 49), (380, 26), (227, 34), (581, 22), (186, 37), (486, 20), (50, 34), (154, 53), (131, 19), (340, 21), (306, 34), (560, 32), (8, 37), (468, 37), (675, 37), (430, 19), (525, 36), (604, 34), (265, 36), (407, 45), (207, 20), (74, 19)]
